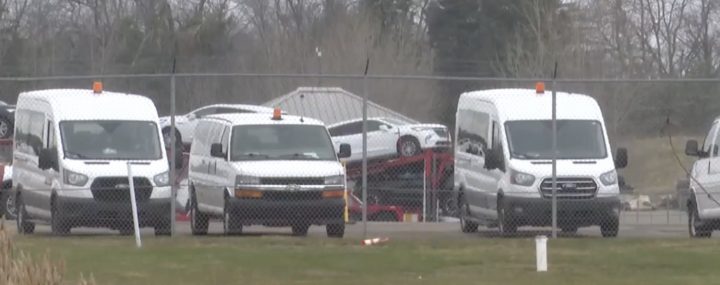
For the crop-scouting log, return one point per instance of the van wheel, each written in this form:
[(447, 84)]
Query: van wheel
[(8, 201), (695, 229), (58, 224), (198, 221), (24, 226), (506, 225), (335, 230), (466, 226), (610, 227), (231, 223), (300, 230)]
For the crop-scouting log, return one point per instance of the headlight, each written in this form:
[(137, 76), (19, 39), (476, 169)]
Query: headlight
[(246, 180), (335, 180), (520, 178), (609, 178), (162, 179), (75, 179)]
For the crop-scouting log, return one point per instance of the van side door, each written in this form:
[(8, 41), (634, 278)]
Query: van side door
[(199, 152), (495, 175), (477, 190), (221, 170), (29, 142), (708, 175)]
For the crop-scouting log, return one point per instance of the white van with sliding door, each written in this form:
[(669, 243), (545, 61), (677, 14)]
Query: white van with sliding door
[(71, 156), (503, 169), (262, 169), (703, 205)]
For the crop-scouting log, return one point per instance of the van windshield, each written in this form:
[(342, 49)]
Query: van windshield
[(281, 142), (576, 139), (111, 140)]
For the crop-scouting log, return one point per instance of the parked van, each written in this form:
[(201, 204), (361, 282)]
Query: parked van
[(266, 169), (503, 169), (71, 155), (703, 203)]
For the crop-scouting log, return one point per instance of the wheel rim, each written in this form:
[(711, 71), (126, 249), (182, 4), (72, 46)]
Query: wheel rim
[(408, 148), (10, 205), (3, 128)]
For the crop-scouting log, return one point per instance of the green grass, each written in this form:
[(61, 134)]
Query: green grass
[(286, 260)]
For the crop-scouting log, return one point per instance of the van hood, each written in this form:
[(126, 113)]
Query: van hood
[(289, 168), (103, 168), (565, 167)]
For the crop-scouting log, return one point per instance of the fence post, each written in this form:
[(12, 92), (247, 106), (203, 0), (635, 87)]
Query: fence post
[(173, 150), (637, 209), (364, 149), (554, 157), (133, 203)]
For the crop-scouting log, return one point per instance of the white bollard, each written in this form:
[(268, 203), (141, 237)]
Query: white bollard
[(541, 253)]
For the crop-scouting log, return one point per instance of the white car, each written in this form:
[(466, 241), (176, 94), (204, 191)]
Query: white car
[(389, 137), (185, 124)]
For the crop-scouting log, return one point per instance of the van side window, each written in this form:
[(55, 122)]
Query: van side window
[(35, 137), (224, 139), (21, 125), (473, 131), (708, 143)]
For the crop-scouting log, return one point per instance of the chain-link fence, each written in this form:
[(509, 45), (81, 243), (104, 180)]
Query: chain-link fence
[(439, 159)]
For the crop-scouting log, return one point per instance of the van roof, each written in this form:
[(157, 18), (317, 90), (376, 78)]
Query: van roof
[(264, 119), (83, 104), (253, 108), (526, 104)]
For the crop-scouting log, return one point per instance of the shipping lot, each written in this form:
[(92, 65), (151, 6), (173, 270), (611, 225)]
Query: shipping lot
[(426, 259)]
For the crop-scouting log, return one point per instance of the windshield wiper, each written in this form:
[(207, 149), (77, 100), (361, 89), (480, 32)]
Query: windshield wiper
[(74, 154), (298, 156)]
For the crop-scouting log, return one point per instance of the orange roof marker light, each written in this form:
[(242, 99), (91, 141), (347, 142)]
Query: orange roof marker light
[(277, 114), (540, 88), (97, 87)]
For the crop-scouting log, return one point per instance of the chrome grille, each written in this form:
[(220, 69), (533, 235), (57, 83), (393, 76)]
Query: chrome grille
[(569, 188), (292, 181)]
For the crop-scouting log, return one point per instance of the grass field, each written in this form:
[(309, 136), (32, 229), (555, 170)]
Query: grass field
[(287, 260)]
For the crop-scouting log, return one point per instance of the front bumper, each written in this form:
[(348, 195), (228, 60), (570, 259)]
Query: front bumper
[(91, 213), (288, 212), (525, 211)]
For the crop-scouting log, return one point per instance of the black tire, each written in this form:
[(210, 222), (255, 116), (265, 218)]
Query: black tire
[(335, 230), (24, 226), (9, 209), (610, 227), (163, 228), (231, 223), (58, 224), (506, 224), (466, 226), (408, 146), (199, 222), (695, 227), (4, 197), (300, 230), (6, 128)]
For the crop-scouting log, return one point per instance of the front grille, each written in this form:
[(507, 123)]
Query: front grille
[(293, 181), (441, 132), (569, 188), (116, 189), (292, 195)]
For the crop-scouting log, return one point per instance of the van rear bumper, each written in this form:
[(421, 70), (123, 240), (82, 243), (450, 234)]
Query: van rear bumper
[(287, 213), (87, 212), (523, 211)]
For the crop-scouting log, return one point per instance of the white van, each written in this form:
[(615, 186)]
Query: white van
[(703, 205), (503, 169), (266, 169), (70, 161)]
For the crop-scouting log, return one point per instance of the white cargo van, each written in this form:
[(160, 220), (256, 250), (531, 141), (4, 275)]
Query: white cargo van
[(703, 205), (503, 164), (266, 169), (70, 161)]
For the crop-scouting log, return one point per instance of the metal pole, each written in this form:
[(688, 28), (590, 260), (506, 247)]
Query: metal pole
[(554, 161), (173, 189), (133, 203), (364, 151), (424, 190)]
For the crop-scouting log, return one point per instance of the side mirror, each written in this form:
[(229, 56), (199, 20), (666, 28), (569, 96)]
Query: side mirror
[(47, 159), (216, 150), (691, 148), (492, 159), (345, 151), (621, 158)]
